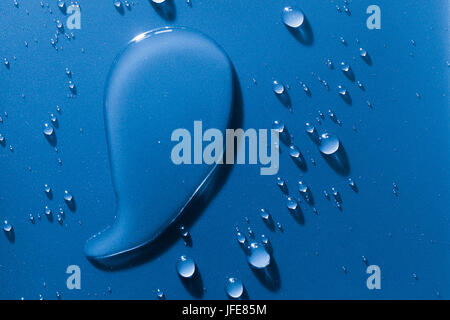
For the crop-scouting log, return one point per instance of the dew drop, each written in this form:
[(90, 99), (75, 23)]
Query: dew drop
[(241, 238), (309, 128), (7, 227), (293, 17), (302, 187), (278, 126), (234, 288), (160, 294), (264, 214), (185, 267), (67, 196), (342, 91), (278, 88), (48, 129), (258, 257), (291, 203), (362, 52), (294, 152), (345, 67), (329, 143)]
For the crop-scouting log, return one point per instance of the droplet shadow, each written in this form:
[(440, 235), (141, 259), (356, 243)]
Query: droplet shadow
[(303, 34), (10, 235), (165, 10), (194, 285), (338, 161), (270, 276)]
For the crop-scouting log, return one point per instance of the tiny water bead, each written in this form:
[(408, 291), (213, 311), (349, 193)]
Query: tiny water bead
[(258, 257), (278, 126), (48, 129), (309, 128), (291, 203), (293, 17), (294, 152), (47, 189), (158, 1), (362, 52), (186, 267), (278, 88), (280, 182), (185, 234), (234, 288), (117, 3), (160, 294), (7, 227), (67, 196), (342, 91), (47, 211), (241, 238), (264, 214), (329, 143), (345, 67), (302, 187)]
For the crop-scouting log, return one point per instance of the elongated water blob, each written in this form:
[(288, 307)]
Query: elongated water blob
[(141, 159)]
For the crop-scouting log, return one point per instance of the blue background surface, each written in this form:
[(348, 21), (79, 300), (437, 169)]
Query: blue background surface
[(402, 139)]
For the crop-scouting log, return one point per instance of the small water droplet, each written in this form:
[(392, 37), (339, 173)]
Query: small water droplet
[(264, 214), (291, 203), (278, 88), (302, 187), (186, 267), (309, 128), (7, 227), (67, 196), (342, 91), (330, 64), (345, 67), (241, 238), (293, 17), (329, 143), (160, 294), (294, 152), (258, 257), (234, 288), (48, 129)]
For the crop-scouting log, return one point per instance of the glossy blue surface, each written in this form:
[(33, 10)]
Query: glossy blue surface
[(402, 139)]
